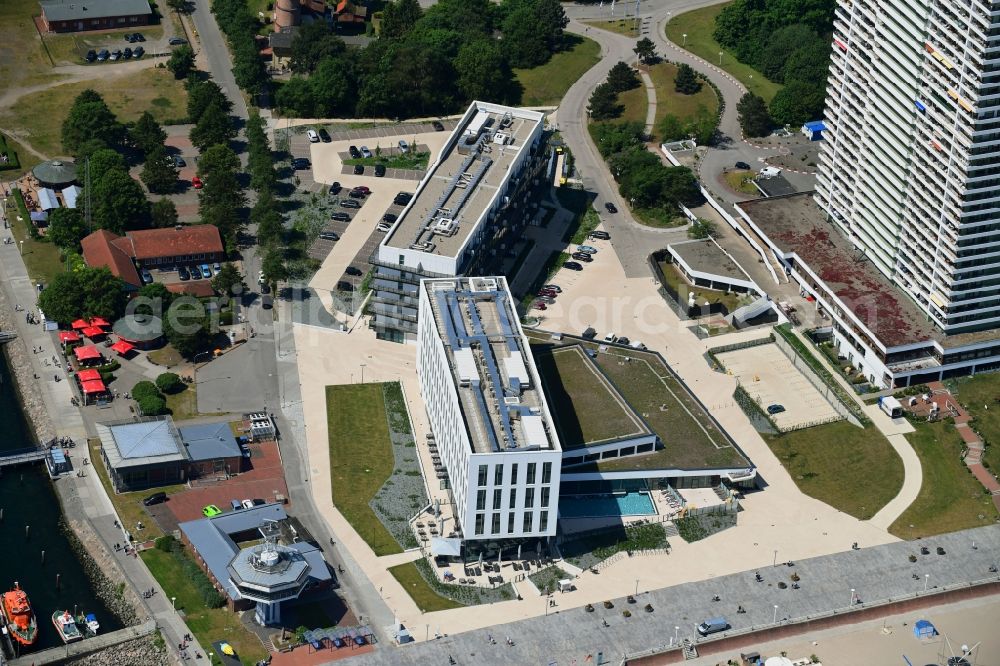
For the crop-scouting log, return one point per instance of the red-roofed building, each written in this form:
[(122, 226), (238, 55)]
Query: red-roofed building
[(199, 243)]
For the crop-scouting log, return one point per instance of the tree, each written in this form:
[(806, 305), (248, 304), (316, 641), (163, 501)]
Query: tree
[(755, 120), (118, 202), (614, 138), (398, 18), (147, 133), (798, 102), (181, 61), (483, 72), (90, 125), (158, 173), (703, 125), (686, 82), (88, 292), (201, 94), (186, 328), (312, 44), (67, 228), (163, 213), (169, 382), (523, 42), (808, 63), (622, 78), (228, 281), (701, 228), (645, 50), (604, 104), (152, 299), (273, 266), (151, 405), (177, 5), (266, 217), (212, 128), (785, 41), (105, 161), (221, 199), (672, 128)]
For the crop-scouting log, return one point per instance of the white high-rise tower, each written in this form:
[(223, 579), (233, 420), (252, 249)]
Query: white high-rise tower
[(910, 168)]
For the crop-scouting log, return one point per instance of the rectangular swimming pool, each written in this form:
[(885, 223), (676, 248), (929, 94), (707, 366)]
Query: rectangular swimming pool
[(599, 506)]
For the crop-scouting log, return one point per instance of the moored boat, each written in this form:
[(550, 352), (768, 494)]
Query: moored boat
[(88, 624), (65, 624), (18, 616)]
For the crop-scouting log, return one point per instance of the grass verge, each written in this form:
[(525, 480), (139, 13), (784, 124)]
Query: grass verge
[(635, 103), (166, 356), (594, 547), (950, 498), (547, 580), (854, 470), (361, 458), (427, 599), (546, 84), (668, 100), (625, 27), (183, 404), (699, 25), (977, 394), (411, 160), (742, 182), (42, 259)]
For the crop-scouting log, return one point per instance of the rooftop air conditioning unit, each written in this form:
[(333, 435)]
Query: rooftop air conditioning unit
[(445, 226)]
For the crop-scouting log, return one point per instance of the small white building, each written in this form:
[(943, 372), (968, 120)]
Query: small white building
[(487, 410)]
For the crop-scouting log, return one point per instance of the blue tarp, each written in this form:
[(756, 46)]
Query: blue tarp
[(815, 126), (37, 216), (924, 629)]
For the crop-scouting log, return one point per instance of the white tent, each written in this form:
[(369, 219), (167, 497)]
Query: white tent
[(446, 547), (47, 199), (70, 195)]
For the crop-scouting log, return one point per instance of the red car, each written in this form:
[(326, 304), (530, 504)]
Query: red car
[(547, 292), (363, 189), (196, 183), (541, 306)]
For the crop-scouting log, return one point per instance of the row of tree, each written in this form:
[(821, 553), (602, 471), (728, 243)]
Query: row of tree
[(240, 26), (604, 104), (789, 42), (425, 62), (266, 212), (642, 178)]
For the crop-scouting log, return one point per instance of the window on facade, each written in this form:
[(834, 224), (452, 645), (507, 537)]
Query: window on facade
[(402, 259), (547, 472), (527, 521), (543, 521), (513, 474), (496, 499), (529, 498), (513, 498), (545, 498), (480, 523), (510, 523), (495, 528), (482, 475), (481, 500), (531, 473), (498, 475)]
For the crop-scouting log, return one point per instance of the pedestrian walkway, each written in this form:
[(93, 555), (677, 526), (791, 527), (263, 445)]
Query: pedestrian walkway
[(650, 101)]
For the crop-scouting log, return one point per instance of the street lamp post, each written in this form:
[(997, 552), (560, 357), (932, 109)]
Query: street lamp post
[(774, 620), (21, 249), (636, 587), (676, 629), (173, 602), (852, 598), (927, 578), (720, 58), (775, 562), (362, 373), (685, 36)]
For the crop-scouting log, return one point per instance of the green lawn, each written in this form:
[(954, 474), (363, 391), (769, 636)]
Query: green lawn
[(40, 116), (625, 27), (741, 181), (427, 600), (23, 61), (546, 85), (42, 260), (360, 458), (981, 396), (636, 103), (70, 48), (183, 404), (12, 162), (410, 160), (583, 404), (668, 100), (207, 624), (950, 498), (166, 356), (676, 281), (854, 470), (699, 25)]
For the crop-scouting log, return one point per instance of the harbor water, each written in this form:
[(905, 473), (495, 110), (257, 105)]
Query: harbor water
[(30, 525)]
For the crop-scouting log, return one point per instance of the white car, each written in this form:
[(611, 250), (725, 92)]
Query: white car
[(403, 146), (247, 504), (313, 137), (610, 337), (260, 277), (365, 152)]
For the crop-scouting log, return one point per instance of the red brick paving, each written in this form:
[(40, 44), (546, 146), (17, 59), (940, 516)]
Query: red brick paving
[(262, 481), (178, 142), (306, 656)]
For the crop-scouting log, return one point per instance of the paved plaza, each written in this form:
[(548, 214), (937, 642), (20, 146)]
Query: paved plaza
[(772, 379)]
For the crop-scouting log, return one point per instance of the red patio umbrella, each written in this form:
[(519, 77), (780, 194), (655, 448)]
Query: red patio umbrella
[(68, 336), (80, 323), (88, 375), (92, 332), (99, 321), (87, 353), (93, 386), (122, 347)]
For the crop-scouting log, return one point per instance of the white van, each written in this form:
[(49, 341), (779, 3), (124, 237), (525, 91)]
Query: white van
[(313, 137)]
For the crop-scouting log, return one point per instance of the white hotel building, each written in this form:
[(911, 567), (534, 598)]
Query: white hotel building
[(902, 243), (465, 216), (487, 410)]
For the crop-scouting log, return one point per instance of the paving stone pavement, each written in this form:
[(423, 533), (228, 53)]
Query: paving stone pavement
[(827, 585)]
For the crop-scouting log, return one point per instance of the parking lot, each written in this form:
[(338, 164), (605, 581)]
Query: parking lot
[(771, 378), (185, 197)]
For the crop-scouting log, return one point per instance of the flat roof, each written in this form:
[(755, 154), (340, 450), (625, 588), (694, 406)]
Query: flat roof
[(705, 256), (775, 186), (209, 441), (586, 408), (76, 10), (458, 188), (491, 367), (135, 444)]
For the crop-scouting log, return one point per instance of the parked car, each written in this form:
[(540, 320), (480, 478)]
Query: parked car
[(248, 504), (362, 188), (547, 292), (545, 299), (340, 217), (178, 161), (350, 203), (623, 340), (258, 502), (265, 288), (177, 41), (325, 136), (138, 52), (335, 187), (402, 198), (196, 183), (403, 146), (355, 194), (301, 164), (138, 37), (589, 333), (379, 170), (383, 227), (313, 136), (573, 266), (147, 278), (714, 625), (365, 153), (260, 276), (610, 207), (586, 248), (353, 270), (129, 37), (600, 235), (103, 55), (329, 235), (155, 498), (539, 305), (115, 55), (210, 510), (344, 285), (610, 337), (775, 409), (389, 218), (127, 53), (183, 274), (358, 169), (743, 165), (554, 287), (91, 55), (217, 267), (353, 150), (206, 272), (235, 504), (438, 127), (582, 256)]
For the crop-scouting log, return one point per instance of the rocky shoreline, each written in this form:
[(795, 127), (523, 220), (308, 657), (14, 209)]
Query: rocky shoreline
[(145, 651)]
